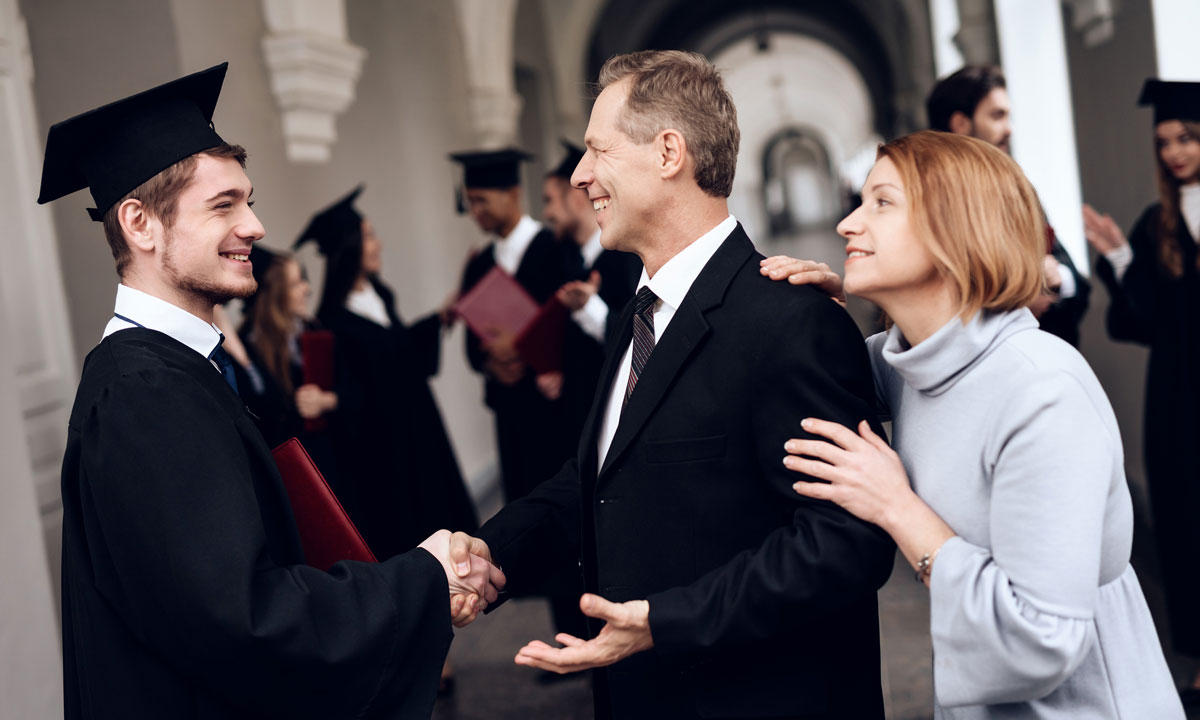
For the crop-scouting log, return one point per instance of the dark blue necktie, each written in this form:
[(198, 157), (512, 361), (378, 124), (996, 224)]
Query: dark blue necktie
[(224, 361)]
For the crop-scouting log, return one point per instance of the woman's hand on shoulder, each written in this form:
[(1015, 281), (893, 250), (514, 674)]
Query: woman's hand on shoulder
[(804, 272)]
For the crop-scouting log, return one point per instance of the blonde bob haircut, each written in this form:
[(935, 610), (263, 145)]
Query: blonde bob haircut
[(977, 215)]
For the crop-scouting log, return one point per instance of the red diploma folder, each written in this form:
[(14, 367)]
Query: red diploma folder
[(326, 532), (316, 349), (498, 305)]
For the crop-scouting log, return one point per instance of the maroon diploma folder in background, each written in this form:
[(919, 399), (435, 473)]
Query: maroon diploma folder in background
[(499, 305), (316, 349), (326, 532)]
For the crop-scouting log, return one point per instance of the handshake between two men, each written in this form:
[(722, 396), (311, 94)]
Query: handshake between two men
[(475, 583)]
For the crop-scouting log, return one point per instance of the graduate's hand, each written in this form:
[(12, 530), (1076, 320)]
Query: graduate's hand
[(861, 472), (804, 272), (480, 578), (626, 632), (1101, 231), (550, 385), (576, 293), (313, 402), (1052, 283)]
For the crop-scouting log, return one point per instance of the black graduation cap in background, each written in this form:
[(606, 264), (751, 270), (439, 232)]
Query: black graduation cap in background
[(488, 169), (260, 259), (115, 148), (570, 161), (1171, 100), (330, 227)]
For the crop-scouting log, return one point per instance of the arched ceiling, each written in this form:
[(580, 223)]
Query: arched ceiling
[(881, 38)]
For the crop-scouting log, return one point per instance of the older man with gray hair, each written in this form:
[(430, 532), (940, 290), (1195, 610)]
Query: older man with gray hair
[(713, 589)]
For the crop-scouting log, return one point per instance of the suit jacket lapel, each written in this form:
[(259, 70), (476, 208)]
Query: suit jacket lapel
[(685, 333)]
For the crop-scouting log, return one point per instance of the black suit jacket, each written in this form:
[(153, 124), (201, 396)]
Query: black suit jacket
[(762, 602)]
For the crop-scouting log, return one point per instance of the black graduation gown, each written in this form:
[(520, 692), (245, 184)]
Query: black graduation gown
[(403, 467), (184, 593), (529, 435), (1062, 319), (274, 412), (1151, 308), (583, 355)]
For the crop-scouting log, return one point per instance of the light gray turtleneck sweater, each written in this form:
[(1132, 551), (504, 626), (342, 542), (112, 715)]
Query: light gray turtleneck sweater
[(1036, 613)]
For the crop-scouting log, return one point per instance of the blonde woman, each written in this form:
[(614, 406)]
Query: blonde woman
[(1006, 489)]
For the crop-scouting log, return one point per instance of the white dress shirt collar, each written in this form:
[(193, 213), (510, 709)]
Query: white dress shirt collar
[(135, 308), (591, 249), (673, 280), (511, 249), (1189, 207), (367, 303)]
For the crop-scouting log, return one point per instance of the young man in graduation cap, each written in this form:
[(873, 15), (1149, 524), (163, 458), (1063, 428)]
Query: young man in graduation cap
[(185, 592), (530, 439)]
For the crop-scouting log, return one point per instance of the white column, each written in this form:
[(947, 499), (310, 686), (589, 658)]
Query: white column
[(487, 33), (313, 70), (1175, 24), (944, 18), (1034, 57), (36, 375), (569, 26)]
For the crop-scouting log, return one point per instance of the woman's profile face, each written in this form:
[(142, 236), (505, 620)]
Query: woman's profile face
[(1179, 150), (298, 289), (372, 251), (885, 259)]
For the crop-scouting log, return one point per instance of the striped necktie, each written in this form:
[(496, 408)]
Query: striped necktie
[(643, 337)]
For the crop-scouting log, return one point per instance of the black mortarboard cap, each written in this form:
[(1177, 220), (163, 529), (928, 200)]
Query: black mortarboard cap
[(330, 227), (491, 168), (570, 161), (260, 260), (115, 148), (1171, 100)]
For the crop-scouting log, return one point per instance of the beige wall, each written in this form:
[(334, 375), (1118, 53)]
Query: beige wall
[(1116, 170)]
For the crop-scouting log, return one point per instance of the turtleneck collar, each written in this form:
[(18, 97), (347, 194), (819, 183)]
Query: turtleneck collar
[(938, 363)]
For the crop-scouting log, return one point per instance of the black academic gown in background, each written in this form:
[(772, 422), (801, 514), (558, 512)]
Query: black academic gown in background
[(274, 412), (403, 466), (184, 589), (1154, 309), (583, 355), (1062, 319), (529, 435)]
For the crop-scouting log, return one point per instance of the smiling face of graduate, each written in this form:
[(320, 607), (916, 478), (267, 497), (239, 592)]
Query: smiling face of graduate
[(205, 253)]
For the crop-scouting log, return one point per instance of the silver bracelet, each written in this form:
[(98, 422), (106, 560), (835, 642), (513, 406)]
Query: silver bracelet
[(925, 566)]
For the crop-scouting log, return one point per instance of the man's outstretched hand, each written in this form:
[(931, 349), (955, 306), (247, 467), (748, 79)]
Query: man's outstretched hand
[(474, 581), (626, 631)]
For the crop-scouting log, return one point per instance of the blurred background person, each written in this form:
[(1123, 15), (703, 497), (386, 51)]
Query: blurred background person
[(530, 440), (400, 457), (974, 101), (600, 286), (271, 378), (1153, 278)]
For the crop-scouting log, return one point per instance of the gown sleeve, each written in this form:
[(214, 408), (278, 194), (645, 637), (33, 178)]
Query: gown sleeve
[(181, 551), (1132, 309)]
